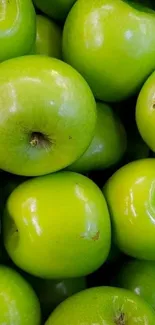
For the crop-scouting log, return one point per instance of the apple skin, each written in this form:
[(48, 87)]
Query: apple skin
[(139, 277), (19, 303), (104, 41), (55, 9), (48, 38), (108, 145), (57, 226), (130, 198), (47, 115), (103, 305), (18, 28), (145, 112)]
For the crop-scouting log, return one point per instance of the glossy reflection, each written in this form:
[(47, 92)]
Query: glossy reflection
[(57, 226), (112, 45), (104, 305), (17, 28), (43, 95), (130, 194), (31, 208)]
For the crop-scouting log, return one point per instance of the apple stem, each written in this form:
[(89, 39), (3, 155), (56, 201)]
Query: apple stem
[(121, 319), (34, 142)]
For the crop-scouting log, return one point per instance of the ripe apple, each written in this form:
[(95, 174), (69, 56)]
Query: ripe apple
[(57, 226), (18, 302), (130, 197), (139, 277), (18, 28), (105, 41), (47, 115), (145, 112), (55, 9), (103, 305), (52, 292), (108, 144), (48, 38)]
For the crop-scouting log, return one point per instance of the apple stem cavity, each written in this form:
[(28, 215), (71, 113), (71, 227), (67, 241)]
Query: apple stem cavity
[(120, 320), (38, 139)]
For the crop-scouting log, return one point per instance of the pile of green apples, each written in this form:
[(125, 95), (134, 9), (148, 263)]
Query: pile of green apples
[(77, 162)]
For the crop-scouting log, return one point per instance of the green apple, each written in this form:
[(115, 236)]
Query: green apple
[(108, 144), (105, 41), (139, 277), (18, 302), (18, 28), (103, 305), (47, 115), (52, 292), (57, 226), (55, 9), (48, 38), (130, 197), (145, 112)]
